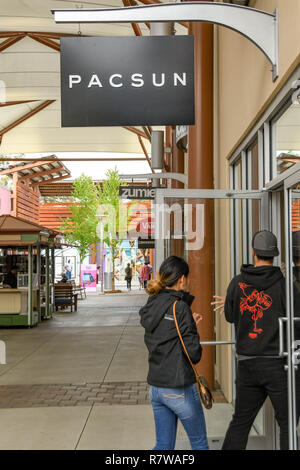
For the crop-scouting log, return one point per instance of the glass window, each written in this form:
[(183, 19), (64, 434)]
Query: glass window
[(286, 139), (254, 184), (253, 206)]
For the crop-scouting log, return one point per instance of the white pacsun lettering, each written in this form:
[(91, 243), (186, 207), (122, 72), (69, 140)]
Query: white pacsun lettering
[(137, 80), (162, 82)]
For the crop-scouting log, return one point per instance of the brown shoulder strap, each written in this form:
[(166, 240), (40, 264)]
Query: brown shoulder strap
[(180, 337)]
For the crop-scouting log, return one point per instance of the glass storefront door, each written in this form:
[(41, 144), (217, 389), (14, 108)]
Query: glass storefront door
[(213, 230), (290, 345), (285, 191)]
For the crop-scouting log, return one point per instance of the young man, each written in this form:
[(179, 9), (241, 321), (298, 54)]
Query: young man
[(255, 300), (68, 269)]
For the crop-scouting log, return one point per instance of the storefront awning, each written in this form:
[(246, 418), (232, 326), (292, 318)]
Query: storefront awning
[(10, 224)]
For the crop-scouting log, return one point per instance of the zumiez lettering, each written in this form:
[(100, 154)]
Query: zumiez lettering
[(137, 80)]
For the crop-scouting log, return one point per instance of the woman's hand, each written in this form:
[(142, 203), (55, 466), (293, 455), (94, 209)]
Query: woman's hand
[(197, 317), (218, 304)]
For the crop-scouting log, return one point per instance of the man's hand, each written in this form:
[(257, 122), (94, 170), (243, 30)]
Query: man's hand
[(197, 317), (218, 304)]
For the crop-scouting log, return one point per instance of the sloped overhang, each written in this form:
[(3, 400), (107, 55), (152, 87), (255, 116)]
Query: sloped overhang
[(30, 73)]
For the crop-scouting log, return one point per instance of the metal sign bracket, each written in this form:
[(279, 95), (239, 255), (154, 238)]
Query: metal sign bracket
[(258, 26)]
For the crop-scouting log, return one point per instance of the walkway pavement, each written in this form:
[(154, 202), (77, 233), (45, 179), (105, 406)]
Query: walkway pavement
[(77, 381)]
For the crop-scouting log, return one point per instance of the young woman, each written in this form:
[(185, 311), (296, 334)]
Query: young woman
[(173, 392)]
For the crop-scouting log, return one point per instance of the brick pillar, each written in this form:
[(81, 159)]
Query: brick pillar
[(200, 173)]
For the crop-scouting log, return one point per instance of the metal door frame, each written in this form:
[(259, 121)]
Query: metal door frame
[(268, 440), (162, 193), (284, 183), (289, 183)]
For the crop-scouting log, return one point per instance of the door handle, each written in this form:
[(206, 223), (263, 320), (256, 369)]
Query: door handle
[(282, 353), (215, 343), (281, 320)]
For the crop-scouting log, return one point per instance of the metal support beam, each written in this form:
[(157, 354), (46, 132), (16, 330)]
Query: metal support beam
[(13, 103), (10, 42), (136, 131), (71, 159), (145, 152), (258, 26), (51, 180), (153, 2), (136, 29), (145, 176), (44, 38), (45, 41), (30, 165), (26, 116)]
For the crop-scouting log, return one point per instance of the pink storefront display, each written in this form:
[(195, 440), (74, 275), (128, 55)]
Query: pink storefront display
[(88, 277), (5, 201)]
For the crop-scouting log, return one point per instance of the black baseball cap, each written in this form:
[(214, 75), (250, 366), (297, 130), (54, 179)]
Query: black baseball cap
[(264, 243)]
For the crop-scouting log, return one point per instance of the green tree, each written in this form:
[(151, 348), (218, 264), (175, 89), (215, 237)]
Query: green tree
[(80, 228), (114, 210)]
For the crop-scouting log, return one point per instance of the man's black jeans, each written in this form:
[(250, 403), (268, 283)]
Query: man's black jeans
[(256, 379)]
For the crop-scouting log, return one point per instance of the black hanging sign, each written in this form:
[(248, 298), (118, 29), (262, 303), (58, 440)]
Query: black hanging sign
[(146, 243), (136, 192), (121, 81)]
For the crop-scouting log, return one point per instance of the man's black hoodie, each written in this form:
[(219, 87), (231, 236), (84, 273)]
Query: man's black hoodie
[(255, 300), (168, 364)]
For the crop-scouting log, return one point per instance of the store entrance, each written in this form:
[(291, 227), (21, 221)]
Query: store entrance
[(183, 227), (285, 191)]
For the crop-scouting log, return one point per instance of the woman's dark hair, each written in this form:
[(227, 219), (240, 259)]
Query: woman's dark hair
[(170, 271)]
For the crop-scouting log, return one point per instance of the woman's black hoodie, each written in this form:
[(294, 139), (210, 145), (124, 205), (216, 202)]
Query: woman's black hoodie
[(168, 364), (255, 300)]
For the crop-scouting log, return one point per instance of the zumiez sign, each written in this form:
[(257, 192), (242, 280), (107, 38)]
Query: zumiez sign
[(117, 81)]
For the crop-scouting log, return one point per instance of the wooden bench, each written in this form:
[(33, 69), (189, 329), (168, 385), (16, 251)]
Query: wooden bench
[(65, 296), (78, 289)]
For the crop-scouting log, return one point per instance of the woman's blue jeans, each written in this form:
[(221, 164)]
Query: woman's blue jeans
[(184, 403)]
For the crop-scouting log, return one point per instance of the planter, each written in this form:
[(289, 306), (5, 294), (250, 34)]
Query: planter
[(113, 292), (108, 277)]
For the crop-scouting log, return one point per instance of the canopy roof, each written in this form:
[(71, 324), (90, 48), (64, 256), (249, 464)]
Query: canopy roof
[(30, 119), (10, 224), (37, 173), (30, 70)]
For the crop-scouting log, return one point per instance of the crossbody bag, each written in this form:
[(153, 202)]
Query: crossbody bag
[(203, 389)]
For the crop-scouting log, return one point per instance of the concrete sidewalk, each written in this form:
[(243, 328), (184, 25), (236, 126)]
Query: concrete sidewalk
[(78, 381)]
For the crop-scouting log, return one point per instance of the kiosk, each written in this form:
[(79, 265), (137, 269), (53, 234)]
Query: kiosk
[(26, 272)]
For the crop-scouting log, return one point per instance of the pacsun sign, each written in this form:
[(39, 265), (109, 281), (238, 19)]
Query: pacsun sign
[(120, 81)]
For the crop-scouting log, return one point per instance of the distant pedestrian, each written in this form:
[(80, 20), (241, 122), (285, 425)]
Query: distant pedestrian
[(63, 278), (68, 269), (145, 274), (128, 276)]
